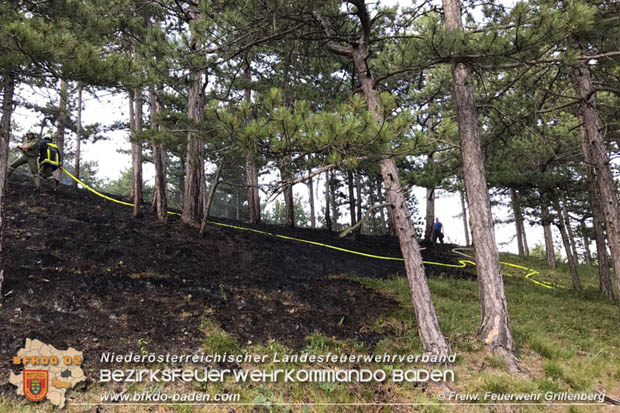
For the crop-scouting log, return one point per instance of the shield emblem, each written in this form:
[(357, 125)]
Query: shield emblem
[(36, 384)]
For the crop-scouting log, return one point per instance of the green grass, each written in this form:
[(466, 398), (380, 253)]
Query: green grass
[(569, 341)]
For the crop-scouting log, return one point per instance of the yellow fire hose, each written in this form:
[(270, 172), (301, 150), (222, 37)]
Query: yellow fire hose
[(461, 263)]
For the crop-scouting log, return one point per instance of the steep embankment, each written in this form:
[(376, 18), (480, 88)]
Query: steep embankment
[(82, 272)]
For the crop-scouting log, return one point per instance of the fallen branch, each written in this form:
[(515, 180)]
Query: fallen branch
[(361, 221), (283, 184), (609, 399)]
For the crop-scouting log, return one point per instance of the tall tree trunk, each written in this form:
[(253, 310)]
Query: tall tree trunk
[(524, 234), (598, 220), (594, 144), (572, 263), (351, 197), (569, 229), (333, 200), (465, 215), (62, 116), (428, 325), (160, 199), (358, 195), (516, 211), (549, 249), (328, 219), (238, 201), (132, 129), (586, 245), (136, 154), (381, 201), (8, 80), (194, 163), (311, 201), (430, 214), (251, 171), (251, 180), (289, 204), (495, 325), (371, 196), (78, 138)]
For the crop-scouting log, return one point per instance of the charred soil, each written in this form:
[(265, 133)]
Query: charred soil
[(82, 272)]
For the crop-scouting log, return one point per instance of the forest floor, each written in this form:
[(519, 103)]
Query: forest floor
[(83, 273)]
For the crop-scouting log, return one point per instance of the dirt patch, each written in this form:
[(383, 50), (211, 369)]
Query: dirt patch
[(82, 272)]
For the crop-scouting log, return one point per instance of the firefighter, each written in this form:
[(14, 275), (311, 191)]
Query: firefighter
[(50, 159), (30, 150)]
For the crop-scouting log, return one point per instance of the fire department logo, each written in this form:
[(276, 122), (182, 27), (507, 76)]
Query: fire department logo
[(36, 384), (48, 373)]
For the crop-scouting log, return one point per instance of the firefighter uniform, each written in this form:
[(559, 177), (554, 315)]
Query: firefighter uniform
[(30, 151), (49, 160)]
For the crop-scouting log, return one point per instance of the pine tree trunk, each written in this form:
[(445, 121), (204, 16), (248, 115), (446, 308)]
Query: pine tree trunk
[(572, 263), (160, 199), (62, 116), (194, 162), (328, 219), (351, 197), (358, 195), (516, 211), (311, 201), (251, 180), (465, 215), (594, 144), (569, 229), (428, 325), (371, 196), (381, 201), (333, 200), (8, 90), (549, 249), (136, 155), (132, 130), (586, 245), (289, 205), (430, 214), (523, 232), (78, 138), (495, 325), (251, 171), (598, 220)]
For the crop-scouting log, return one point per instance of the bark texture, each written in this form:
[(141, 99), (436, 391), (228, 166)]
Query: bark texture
[(548, 234), (328, 219), (598, 221), (160, 198), (194, 163), (594, 145), (516, 212), (428, 325), (251, 170), (8, 92), (495, 325), (465, 214), (78, 138), (136, 153), (572, 262), (311, 202)]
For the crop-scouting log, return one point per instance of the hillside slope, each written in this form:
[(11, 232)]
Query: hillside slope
[(83, 272)]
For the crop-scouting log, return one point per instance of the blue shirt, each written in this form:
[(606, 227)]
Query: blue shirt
[(437, 226)]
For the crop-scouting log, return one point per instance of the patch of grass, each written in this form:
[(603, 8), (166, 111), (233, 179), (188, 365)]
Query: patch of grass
[(216, 340), (496, 362)]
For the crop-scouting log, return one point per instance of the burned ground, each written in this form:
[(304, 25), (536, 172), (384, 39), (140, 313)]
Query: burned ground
[(82, 272)]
